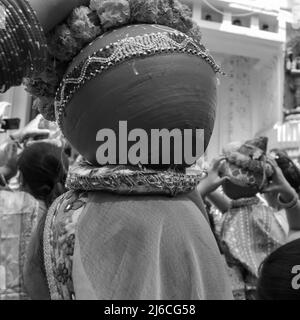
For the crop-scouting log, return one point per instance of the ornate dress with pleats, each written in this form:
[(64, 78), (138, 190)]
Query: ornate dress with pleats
[(250, 232)]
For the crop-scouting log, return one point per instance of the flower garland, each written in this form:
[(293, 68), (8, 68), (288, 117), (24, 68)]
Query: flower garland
[(85, 24)]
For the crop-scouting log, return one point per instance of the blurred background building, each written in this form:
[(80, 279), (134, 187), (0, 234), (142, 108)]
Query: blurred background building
[(256, 43), (249, 38)]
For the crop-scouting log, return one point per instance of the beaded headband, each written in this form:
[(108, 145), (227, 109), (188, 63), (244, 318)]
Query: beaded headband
[(124, 50)]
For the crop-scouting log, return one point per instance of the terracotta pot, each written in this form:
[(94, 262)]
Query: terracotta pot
[(162, 91), (242, 183), (236, 192)]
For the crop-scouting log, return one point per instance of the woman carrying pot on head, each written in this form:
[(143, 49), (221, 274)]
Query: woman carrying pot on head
[(249, 230), (129, 228), (118, 234)]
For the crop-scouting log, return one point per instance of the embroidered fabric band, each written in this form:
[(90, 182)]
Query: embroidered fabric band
[(131, 180), (47, 251), (124, 50)]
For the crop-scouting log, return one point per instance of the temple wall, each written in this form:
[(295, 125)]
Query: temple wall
[(249, 100)]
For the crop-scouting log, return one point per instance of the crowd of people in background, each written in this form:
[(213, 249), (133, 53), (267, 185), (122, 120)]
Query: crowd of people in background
[(33, 173)]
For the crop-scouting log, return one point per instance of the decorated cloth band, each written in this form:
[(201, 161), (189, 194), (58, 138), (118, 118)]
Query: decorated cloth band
[(131, 180)]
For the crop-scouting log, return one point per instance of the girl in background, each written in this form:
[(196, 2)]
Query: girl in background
[(43, 168)]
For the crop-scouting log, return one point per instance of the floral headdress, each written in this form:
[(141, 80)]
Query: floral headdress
[(85, 24)]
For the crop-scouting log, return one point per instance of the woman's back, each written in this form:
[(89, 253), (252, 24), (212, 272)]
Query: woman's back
[(131, 247)]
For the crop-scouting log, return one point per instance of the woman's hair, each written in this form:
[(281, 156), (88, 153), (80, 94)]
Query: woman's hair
[(276, 274), (44, 169), (288, 167)]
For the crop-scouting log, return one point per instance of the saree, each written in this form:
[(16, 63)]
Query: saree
[(132, 245), (250, 232), (108, 247)]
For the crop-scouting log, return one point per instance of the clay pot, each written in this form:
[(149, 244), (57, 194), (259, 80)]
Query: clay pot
[(164, 91), (236, 192), (242, 183)]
